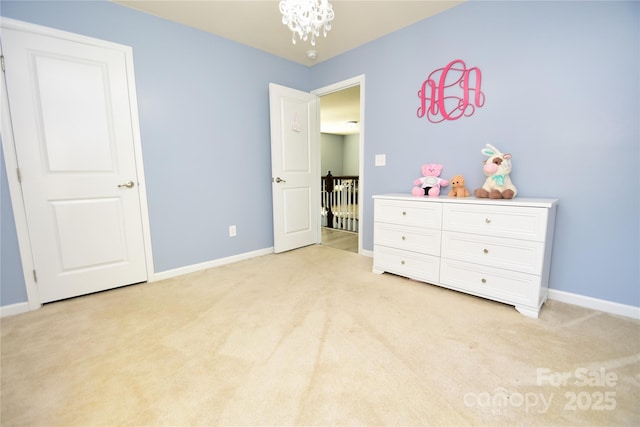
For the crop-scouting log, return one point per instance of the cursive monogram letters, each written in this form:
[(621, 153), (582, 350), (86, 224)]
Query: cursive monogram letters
[(455, 103)]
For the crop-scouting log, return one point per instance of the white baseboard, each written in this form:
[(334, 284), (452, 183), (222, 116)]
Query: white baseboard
[(562, 296), (596, 304), (23, 307), (209, 264), (580, 300), (13, 309)]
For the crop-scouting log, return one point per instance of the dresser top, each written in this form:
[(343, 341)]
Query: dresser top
[(518, 201)]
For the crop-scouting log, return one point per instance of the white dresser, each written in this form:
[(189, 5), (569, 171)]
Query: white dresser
[(495, 249)]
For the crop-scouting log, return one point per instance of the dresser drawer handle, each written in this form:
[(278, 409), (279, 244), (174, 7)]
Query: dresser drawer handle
[(404, 238), (487, 220), (484, 280), (486, 251), (404, 213), (402, 262)]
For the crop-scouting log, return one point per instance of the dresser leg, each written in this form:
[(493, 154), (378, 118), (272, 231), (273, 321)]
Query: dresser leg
[(528, 311)]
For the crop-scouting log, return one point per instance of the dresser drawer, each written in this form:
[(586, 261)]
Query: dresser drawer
[(406, 263), (503, 221), (416, 239), (495, 249), (413, 213), (500, 285), (525, 256)]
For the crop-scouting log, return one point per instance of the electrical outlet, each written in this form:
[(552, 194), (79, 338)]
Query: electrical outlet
[(381, 160), (232, 231)]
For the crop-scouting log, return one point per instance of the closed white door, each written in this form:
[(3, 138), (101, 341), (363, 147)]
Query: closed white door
[(294, 167), (72, 125)]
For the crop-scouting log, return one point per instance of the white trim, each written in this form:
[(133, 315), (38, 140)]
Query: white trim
[(561, 296), (180, 271), (595, 303), (14, 24), (15, 193), (11, 163), (581, 300), (13, 309), (366, 252), (137, 152), (345, 84)]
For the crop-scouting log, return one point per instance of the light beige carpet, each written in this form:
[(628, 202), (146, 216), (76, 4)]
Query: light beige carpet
[(312, 337)]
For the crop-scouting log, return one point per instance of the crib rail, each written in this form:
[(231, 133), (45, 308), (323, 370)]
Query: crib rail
[(339, 200)]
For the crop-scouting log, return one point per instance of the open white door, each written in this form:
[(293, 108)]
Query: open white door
[(294, 167), (74, 118)]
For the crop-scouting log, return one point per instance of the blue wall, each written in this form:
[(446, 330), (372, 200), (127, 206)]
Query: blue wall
[(10, 263), (562, 89), (562, 86), (204, 123)]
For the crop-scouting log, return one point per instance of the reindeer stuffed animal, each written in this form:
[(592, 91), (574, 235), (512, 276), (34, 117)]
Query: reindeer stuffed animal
[(497, 167)]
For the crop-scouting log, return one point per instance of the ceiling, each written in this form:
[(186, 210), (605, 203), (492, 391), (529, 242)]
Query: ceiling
[(338, 109), (259, 24)]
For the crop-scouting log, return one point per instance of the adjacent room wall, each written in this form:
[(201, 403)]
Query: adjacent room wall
[(351, 155), (340, 154), (331, 154)]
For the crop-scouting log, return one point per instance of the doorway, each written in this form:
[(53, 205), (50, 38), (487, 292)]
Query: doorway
[(341, 143)]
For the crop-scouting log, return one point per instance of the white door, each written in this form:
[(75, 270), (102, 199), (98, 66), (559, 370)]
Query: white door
[(72, 125), (294, 167)]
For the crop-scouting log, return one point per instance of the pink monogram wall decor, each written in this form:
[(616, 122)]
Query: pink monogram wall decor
[(451, 92)]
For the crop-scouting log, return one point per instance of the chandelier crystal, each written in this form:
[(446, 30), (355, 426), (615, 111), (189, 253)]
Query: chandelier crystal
[(306, 17)]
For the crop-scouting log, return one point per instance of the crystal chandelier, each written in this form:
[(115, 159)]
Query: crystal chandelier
[(306, 17)]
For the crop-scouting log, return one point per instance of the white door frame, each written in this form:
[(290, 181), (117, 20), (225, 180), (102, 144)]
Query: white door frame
[(11, 163), (326, 90)]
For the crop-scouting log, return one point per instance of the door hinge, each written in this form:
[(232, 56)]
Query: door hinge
[(19, 175), (2, 62), (35, 276)]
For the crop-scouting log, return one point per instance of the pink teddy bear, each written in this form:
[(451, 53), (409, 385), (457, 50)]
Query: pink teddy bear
[(430, 182)]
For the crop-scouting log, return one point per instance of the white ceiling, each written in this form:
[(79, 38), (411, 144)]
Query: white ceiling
[(338, 108), (259, 24)]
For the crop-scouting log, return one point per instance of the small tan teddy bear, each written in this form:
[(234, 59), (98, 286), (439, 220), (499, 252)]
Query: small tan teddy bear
[(457, 187)]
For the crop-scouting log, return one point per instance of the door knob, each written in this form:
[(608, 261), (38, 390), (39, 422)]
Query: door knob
[(279, 180), (128, 184)]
